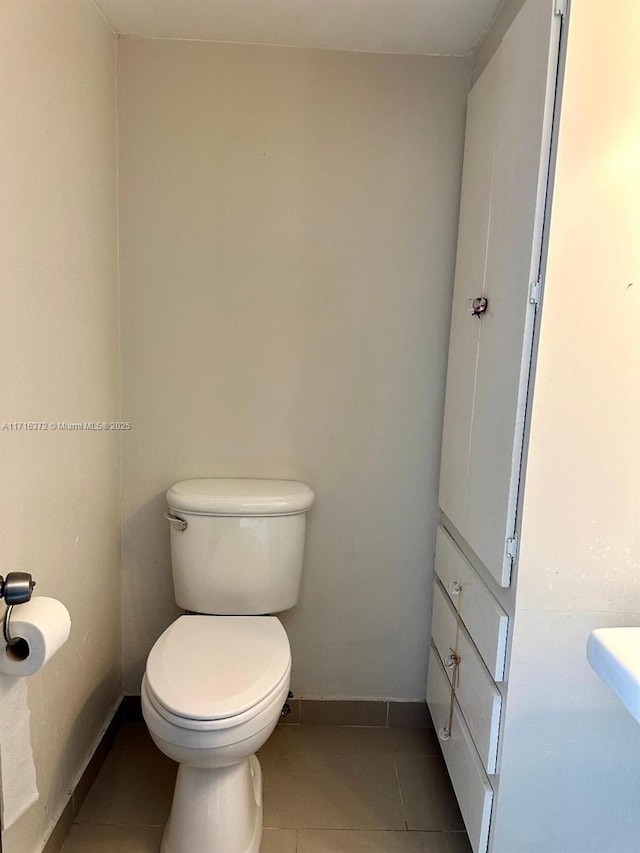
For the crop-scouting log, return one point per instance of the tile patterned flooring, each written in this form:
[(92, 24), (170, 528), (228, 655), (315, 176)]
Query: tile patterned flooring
[(327, 789)]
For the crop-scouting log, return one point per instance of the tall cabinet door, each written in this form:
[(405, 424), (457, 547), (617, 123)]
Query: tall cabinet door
[(504, 189)]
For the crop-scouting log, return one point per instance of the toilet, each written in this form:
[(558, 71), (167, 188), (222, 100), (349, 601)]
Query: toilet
[(217, 679)]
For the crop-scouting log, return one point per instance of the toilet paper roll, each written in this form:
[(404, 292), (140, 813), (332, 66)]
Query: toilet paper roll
[(43, 625)]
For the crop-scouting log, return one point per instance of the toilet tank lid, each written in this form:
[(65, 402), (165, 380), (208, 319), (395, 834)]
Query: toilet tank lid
[(240, 497)]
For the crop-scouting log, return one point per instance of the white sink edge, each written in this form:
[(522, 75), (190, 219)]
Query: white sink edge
[(614, 654)]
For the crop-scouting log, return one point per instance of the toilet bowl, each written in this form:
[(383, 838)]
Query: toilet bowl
[(212, 694), (217, 679)]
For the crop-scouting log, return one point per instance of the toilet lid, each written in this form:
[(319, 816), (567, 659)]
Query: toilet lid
[(213, 667), (240, 497)]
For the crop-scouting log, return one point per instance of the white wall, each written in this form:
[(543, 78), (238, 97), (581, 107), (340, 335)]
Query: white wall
[(59, 510), (288, 226), (491, 42), (570, 746)]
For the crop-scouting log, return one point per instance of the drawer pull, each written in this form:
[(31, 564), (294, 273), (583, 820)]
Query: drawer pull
[(453, 662), (455, 588)]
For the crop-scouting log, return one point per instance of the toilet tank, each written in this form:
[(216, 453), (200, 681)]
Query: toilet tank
[(241, 550)]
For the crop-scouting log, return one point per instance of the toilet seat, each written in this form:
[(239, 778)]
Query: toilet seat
[(214, 672)]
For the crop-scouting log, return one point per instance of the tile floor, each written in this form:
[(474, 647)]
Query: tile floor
[(327, 789)]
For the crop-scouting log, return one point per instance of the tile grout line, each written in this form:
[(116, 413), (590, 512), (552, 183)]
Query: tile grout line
[(371, 740), (402, 805)]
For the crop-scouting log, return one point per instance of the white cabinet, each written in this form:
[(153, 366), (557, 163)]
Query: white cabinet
[(499, 259), (564, 776), (504, 186)]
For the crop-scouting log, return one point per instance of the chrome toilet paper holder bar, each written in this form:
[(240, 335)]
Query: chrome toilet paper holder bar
[(16, 588)]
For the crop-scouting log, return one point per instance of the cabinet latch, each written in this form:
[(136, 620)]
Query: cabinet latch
[(534, 291), (561, 8)]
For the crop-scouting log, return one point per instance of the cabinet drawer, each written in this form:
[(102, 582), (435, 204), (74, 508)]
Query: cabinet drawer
[(473, 790), (483, 617), (479, 698)]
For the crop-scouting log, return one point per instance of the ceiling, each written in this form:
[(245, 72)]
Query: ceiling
[(441, 27)]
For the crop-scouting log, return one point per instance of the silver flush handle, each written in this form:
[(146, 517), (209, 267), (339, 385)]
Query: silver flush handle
[(176, 521)]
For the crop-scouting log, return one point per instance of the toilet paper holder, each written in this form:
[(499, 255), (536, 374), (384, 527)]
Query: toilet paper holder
[(16, 588)]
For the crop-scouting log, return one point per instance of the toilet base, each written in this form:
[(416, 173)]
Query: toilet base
[(216, 810)]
